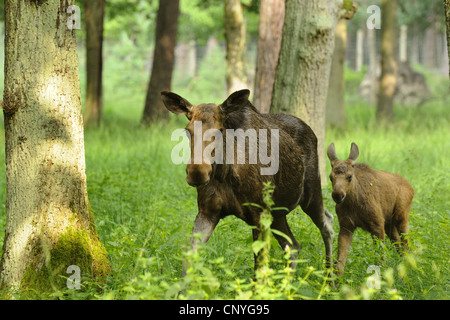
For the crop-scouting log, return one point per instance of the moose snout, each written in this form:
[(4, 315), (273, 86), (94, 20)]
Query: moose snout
[(198, 175), (338, 194)]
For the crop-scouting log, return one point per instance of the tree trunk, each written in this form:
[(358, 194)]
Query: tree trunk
[(447, 18), (359, 49), (301, 80), (335, 110), (94, 12), (186, 59), (415, 45), (430, 43), (49, 224), (389, 66), (163, 60), (373, 65), (271, 18), (236, 77), (403, 42)]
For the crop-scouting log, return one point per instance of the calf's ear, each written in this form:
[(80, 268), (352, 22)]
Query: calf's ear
[(331, 153), (175, 103), (354, 153), (236, 101)]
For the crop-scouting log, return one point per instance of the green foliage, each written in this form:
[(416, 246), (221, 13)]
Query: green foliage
[(136, 19), (201, 19)]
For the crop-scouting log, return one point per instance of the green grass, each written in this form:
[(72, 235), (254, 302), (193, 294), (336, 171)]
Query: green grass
[(144, 210)]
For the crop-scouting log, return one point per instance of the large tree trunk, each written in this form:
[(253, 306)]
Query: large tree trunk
[(430, 42), (49, 224), (447, 18), (271, 18), (163, 59), (94, 12), (235, 30), (389, 65), (335, 110), (301, 80)]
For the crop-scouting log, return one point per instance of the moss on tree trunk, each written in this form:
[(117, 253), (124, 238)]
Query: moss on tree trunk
[(49, 224)]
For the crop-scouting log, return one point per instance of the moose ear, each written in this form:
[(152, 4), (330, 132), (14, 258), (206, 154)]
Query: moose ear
[(331, 153), (354, 153), (236, 101), (176, 104)]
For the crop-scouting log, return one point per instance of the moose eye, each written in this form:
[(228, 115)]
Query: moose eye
[(349, 178)]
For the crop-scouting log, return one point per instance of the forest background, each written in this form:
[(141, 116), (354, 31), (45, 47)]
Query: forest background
[(144, 210)]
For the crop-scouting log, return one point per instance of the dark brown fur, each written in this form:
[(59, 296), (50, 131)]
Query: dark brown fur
[(376, 201), (223, 188)]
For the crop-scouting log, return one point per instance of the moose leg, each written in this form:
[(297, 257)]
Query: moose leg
[(378, 235), (255, 234), (204, 226), (324, 221), (344, 242), (403, 231), (280, 223), (395, 238)]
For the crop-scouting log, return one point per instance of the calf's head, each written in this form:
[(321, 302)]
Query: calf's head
[(342, 172), (210, 116)]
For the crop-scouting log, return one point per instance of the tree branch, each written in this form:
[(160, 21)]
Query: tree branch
[(348, 9)]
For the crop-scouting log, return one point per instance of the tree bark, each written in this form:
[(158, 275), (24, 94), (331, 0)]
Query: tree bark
[(163, 60), (430, 43), (335, 110), (271, 18), (94, 12), (302, 76), (373, 65), (235, 31), (389, 65), (447, 19), (49, 224), (359, 49), (415, 45), (403, 42)]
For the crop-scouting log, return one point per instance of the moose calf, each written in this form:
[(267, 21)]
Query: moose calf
[(376, 201)]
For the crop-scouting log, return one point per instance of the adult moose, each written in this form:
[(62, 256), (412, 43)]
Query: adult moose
[(223, 187)]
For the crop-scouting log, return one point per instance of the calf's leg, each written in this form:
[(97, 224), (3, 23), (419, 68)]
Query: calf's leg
[(344, 242)]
